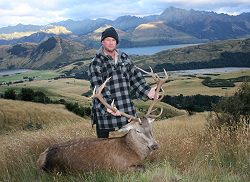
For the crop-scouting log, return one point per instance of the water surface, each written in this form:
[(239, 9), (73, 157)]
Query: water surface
[(12, 72), (152, 49)]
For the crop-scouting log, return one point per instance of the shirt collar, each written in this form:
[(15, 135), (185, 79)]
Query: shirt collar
[(117, 54)]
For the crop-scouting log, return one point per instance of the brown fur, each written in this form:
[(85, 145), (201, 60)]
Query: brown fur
[(89, 154)]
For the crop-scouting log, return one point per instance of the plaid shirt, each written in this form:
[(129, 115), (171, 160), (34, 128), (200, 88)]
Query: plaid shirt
[(125, 78)]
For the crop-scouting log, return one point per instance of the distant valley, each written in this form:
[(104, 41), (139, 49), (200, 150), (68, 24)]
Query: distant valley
[(72, 58)]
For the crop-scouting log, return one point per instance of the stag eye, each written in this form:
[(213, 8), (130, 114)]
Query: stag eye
[(138, 131)]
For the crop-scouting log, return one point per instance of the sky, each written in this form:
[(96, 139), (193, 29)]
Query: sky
[(42, 12)]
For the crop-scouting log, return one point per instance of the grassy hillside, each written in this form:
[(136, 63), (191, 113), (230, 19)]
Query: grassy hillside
[(187, 153), (21, 115), (69, 89)]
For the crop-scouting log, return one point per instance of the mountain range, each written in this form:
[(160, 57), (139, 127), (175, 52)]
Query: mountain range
[(172, 26)]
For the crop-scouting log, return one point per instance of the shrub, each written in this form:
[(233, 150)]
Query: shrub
[(27, 94), (217, 82), (197, 103), (79, 110), (10, 94), (41, 97), (232, 112)]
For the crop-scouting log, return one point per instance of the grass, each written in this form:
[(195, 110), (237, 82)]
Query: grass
[(71, 89), (17, 115), (68, 88), (188, 152)]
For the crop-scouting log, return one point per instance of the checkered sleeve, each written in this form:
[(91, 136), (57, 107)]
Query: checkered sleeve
[(96, 80), (138, 83)]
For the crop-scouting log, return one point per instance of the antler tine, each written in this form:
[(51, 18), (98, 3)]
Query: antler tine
[(155, 116), (159, 83), (151, 73), (97, 93)]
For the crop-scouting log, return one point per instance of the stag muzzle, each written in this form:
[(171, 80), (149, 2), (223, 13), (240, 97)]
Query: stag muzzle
[(153, 146)]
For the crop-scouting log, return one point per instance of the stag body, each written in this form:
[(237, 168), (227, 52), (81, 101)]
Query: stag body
[(120, 153)]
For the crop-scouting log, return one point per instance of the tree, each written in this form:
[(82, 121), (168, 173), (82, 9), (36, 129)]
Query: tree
[(27, 94), (41, 97), (10, 94), (233, 112)]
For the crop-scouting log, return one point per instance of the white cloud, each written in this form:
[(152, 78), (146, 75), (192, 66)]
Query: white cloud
[(48, 11)]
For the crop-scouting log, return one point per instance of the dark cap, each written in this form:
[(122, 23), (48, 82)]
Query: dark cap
[(110, 32)]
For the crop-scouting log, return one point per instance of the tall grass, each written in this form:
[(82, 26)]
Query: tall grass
[(188, 152), (18, 115)]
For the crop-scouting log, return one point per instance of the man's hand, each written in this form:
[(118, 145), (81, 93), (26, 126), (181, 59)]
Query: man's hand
[(117, 113), (152, 93)]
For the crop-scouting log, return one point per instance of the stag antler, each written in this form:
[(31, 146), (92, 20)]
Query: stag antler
[(159, 83), (97, 93)]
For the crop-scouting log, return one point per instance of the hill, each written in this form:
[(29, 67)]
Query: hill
[(217, 54), (50, 54), (228, 53), (187, 151), (72, 59), (22, 115)]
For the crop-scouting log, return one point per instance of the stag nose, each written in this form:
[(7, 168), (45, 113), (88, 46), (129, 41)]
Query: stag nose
[(154, 146)]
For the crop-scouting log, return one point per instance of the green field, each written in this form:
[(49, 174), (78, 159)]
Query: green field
[(191, 85), (72, 89)]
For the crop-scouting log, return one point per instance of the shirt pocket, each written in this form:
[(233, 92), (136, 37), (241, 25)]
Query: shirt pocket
[(125, 71)]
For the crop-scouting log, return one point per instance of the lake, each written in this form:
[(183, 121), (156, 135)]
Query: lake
[(152, 49), (12, 72), (208, 71)]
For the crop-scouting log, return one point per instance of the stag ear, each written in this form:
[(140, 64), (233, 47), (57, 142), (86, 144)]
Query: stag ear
[(126, 128), (150, 120)]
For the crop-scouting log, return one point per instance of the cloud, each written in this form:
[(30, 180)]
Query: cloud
[(42, 12)]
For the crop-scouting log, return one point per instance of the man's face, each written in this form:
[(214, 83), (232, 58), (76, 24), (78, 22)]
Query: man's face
[(109, 44)]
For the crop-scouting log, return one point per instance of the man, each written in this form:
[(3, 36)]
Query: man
[(125, 79)]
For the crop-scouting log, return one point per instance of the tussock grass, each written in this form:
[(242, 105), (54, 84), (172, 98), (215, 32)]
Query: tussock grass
[(188, 152), (200, 154), (15, 115)]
